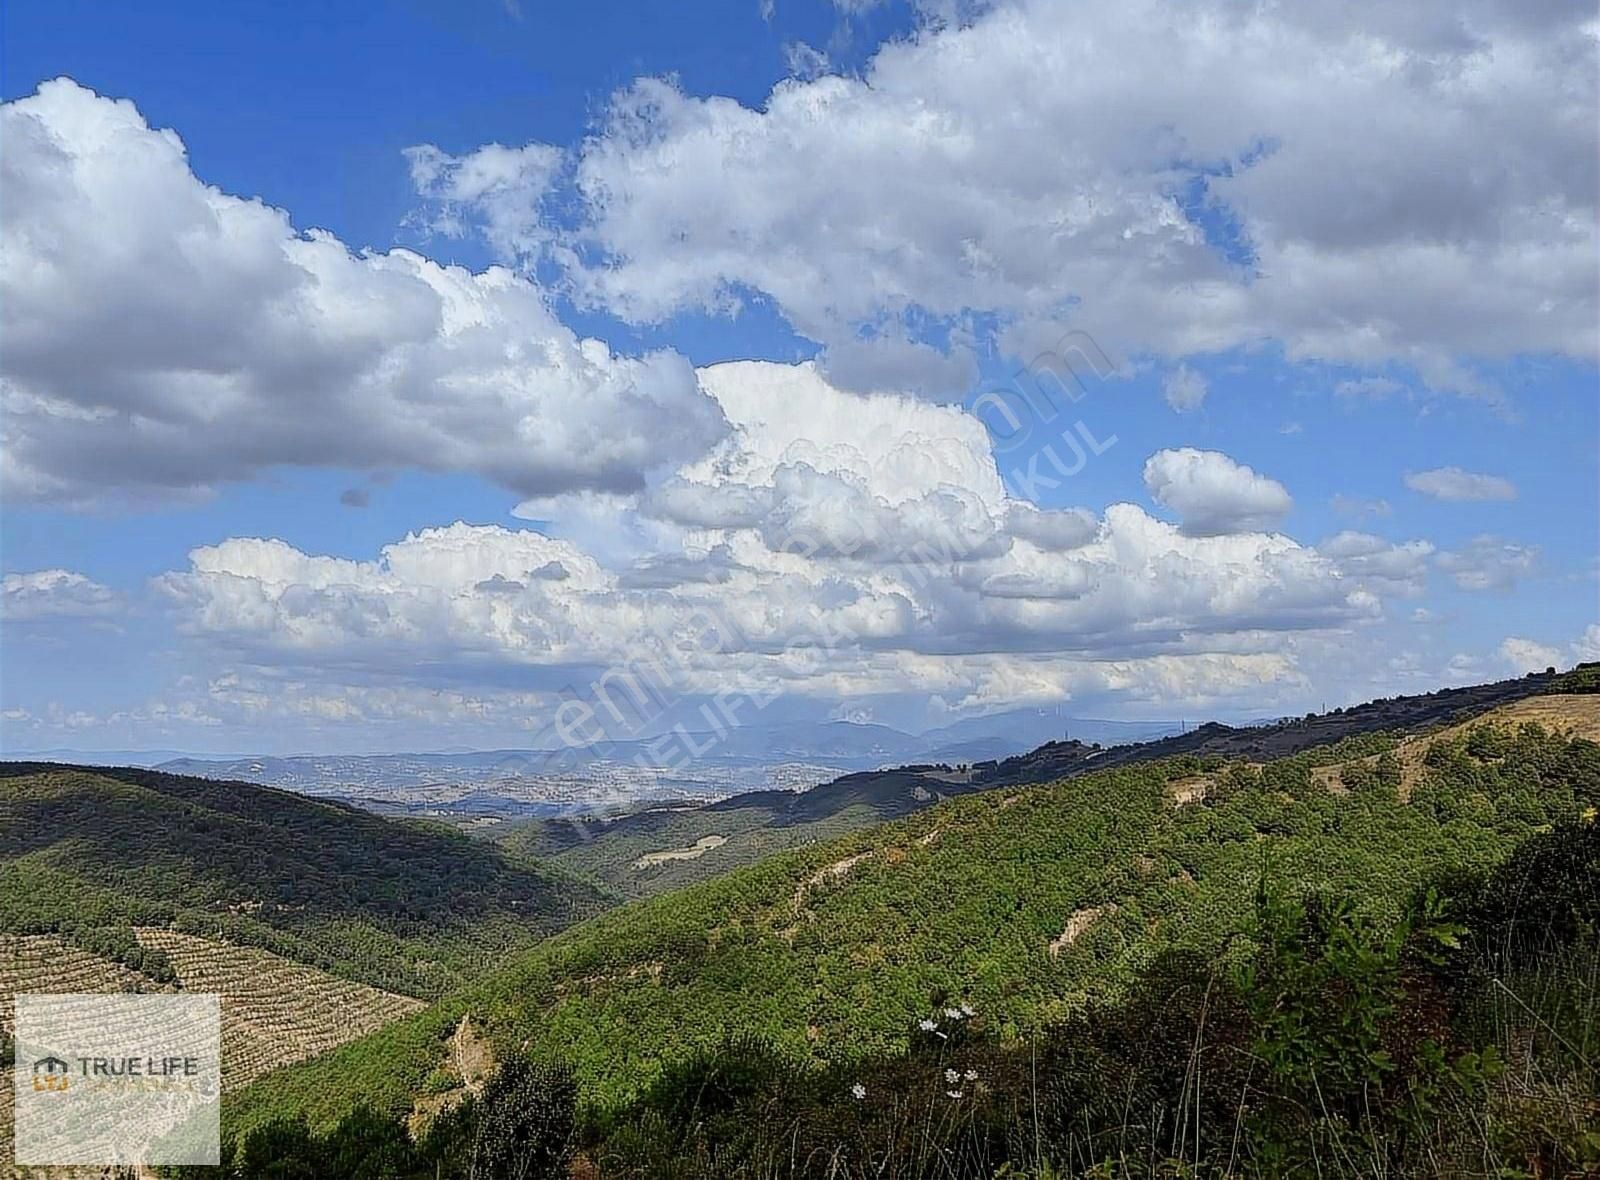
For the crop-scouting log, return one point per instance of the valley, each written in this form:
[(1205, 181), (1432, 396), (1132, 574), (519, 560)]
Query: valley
[(410, 907), (354, 953), (1026, 904)]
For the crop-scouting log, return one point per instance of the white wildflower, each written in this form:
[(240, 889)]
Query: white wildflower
[(858, 1092), (971, 1075), (951, 1076), (956, 1094), (954, 1014), (966, 1010), (927, 1025)]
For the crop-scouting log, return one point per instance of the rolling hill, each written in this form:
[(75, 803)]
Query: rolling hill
[(408, 907), (664, 847), (1021, 903)]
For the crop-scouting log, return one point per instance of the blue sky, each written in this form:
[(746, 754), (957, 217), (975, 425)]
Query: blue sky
[(1349, 366)]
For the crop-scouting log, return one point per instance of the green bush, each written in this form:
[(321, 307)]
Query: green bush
[(121, 945), (525, 1122)]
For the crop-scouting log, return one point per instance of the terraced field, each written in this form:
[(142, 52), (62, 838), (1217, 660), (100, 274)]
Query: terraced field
[(43, 963), (274, 1011)]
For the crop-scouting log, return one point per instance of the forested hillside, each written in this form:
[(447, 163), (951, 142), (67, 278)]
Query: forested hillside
[(1026, 907), (411, 908), (662, 848)]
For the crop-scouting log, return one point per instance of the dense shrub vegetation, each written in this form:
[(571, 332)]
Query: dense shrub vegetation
[(521, 1127), (1046, 911), (121, 945), (1459, 1038)]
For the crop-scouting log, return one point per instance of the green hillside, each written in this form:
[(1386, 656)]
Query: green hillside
[(1026, 905), (661, 848), (409, 907)]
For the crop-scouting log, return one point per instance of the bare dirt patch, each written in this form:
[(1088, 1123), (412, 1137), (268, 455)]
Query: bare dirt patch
[(695, 851), (1330, 779), (1577, 715), (1078, 925), (471, 1055), (828, 873), (469, 1060)]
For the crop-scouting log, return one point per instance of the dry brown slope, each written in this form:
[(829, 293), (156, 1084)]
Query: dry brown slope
[(1576, 715)]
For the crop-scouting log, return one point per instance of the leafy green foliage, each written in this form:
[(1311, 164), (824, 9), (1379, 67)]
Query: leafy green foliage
[(120, 944), (1339, 1046), (525, 1122), (830, 954), (519, 1128), (1546, 894), (414, 908), (1583, 679)]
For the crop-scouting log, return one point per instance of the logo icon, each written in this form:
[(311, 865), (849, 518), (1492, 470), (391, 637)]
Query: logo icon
[(50, 1075), (116, 1079)]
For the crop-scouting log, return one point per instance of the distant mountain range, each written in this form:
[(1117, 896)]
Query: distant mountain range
[(76, 757), (786, 755), (1000, 735)]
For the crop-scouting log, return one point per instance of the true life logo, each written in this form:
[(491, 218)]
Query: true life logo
[(51, 1075), (129, 1080)]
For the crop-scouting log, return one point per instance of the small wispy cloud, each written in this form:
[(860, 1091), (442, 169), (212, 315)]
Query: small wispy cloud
[(1185, 389), (1455, 485)]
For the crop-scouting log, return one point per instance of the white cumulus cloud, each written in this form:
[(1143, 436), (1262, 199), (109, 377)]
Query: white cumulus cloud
[(55, 594), (1029, 160), (1525, 655), (1214, 494), (1489, 562), (163, 337), (1392, 569), (1455, 485), (842, 546), (494, 186), (1185, 389)]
